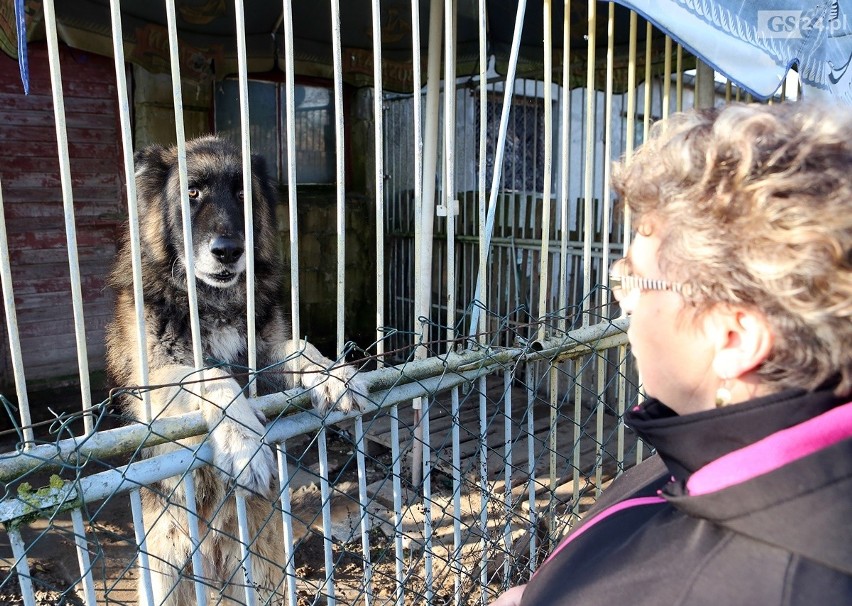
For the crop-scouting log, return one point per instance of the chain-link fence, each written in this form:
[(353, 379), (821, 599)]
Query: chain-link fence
[(517, 442)]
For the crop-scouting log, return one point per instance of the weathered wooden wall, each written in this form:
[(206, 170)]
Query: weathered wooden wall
[(30, 177)]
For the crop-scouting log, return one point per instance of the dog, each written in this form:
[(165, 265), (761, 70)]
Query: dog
[(215, 192)]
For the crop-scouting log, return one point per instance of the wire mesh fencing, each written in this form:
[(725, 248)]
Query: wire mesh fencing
[(515, 443)]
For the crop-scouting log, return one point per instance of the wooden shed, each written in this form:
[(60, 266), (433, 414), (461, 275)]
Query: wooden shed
[(35, 219)]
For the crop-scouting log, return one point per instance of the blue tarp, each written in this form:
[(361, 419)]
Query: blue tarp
[(755, 42)]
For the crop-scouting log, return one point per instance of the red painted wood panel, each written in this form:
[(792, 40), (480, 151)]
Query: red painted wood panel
[(32, 196)]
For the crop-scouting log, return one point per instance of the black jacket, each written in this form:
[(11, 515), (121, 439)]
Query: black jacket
[(749, 504)]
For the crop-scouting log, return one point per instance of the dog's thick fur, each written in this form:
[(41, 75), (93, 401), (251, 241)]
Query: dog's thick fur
[(215, 184)]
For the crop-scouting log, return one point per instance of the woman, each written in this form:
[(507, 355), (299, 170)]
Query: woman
[(739, 292)]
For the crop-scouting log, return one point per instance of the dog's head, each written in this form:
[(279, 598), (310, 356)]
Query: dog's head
[(216, 202)]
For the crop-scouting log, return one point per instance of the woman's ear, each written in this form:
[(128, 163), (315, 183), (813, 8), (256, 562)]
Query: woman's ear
[(743, 341)]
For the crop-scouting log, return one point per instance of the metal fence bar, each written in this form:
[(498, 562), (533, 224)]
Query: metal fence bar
[(531, 475), (340, 171), (484, 491), (364, 501), (396, 471), (194, 538), (245, 555), (500, 148), (83, 556), (287, 520), (248, 213), (508, 504), (457, 489), (379, 159), (68, 208), (322, 446), (132, 202), (544, 272), (147, 597), (589, 161), (292, 189), (189, 261), (12, 329), (22, 567)]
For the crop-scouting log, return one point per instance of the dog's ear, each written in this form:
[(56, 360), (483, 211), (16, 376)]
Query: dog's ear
[(258, 168), (152, 168), (263, 182)]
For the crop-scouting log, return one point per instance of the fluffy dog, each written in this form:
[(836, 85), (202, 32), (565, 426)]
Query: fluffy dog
[(215, 190)]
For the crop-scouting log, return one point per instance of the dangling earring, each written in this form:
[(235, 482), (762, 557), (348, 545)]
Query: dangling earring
[(723, 395)]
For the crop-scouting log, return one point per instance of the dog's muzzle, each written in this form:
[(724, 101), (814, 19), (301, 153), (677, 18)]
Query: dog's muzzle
[(222, 261)]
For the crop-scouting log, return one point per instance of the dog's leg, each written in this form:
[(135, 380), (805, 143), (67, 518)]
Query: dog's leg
[(331, 386), (169, 551), (236, 431)]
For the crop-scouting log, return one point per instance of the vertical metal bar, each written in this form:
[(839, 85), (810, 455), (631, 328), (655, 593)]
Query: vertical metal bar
[(606, 202), (132, 207), (174, 58), (68, 208), (428, 572), (679, 79), (287, 520), (424, 261), (449, 200), (599, 425), (457, 488), (628, 152), (578, 436), (378, 117), (147, 593), (340, 172), (364, 501), (326, 516), (450, 203), (22, 567), (548, 167), (396, 472), (245, 140), (194, 537), (419, 264), (589, 160), (501, 145), (646, 119), (566, 163), (245, 555), (484, 491), (83, 556), (667, 78), (292, 187), (483, 150), (531, 459), (507, 471), (12, 329)]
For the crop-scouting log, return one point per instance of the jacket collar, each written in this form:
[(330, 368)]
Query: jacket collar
[(689, 442), (798, 501)]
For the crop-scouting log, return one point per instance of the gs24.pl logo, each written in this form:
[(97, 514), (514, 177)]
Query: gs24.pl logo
[(795, 23)]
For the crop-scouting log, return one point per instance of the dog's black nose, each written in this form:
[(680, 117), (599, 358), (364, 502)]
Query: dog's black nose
[(227, 250)]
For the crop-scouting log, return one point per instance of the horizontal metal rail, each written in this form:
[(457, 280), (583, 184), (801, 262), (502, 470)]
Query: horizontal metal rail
[(388, 387)]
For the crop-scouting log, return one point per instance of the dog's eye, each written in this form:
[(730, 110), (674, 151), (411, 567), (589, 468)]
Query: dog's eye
[(194, 193), (240, 195)]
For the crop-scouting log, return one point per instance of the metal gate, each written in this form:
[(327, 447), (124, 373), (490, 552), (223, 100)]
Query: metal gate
[(499, 373)]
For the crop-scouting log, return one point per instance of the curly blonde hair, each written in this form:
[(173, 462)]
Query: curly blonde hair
[(756, 204)]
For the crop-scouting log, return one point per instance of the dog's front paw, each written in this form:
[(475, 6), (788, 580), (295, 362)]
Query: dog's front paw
[(236, 434), (245, 460), (341, 388)]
